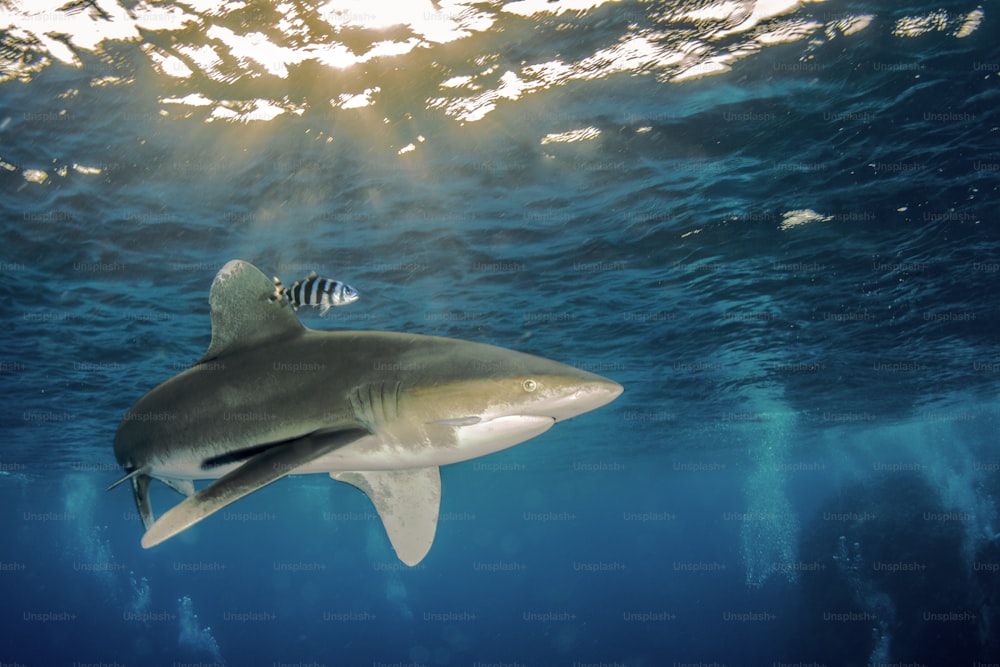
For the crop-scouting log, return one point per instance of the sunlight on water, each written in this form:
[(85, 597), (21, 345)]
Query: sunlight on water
[(958, 25), (228, 58), (536, 7)]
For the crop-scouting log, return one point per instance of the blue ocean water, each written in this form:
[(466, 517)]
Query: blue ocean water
[(774, 223)]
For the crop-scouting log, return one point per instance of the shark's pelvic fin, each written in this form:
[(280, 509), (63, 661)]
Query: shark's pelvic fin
[(407, 501), (244, 314), (185, 487), (270, 465)]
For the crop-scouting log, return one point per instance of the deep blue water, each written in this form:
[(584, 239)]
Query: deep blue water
[(774, 224)]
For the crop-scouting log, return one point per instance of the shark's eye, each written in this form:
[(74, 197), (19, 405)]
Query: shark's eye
[(529, 385)]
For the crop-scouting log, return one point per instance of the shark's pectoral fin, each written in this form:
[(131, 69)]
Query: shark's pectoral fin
[(407, 501), (185, 487), (268, 466)]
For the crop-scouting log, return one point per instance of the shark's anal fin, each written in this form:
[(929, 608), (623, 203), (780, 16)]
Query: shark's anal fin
[(270, 465), (408, 502)]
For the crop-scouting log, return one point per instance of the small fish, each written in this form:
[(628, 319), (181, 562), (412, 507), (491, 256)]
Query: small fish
[(314, 290)]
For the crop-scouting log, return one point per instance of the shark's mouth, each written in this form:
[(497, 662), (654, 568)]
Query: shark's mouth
[(490, 435)]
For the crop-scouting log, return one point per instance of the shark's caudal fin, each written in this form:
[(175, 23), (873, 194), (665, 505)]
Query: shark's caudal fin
[(268, 466), (244, 314), (140, 491), (127, 476), (407, 501)]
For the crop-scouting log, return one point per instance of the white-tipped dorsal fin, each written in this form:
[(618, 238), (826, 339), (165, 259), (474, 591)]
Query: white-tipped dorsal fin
[(245, 312), (407, 501)]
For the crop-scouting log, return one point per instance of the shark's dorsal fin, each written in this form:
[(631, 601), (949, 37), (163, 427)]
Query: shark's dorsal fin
[(407, 501), (244, 312)]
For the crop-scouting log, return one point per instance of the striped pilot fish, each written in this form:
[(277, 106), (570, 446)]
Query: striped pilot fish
[(315, 290)]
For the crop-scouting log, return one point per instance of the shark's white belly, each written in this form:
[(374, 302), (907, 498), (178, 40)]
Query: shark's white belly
[(468, 442)]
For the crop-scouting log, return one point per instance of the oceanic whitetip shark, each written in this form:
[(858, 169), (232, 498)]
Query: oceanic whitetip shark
[(381, 411)]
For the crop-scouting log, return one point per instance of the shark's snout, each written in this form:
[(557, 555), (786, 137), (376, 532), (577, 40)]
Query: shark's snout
[(582, 396)]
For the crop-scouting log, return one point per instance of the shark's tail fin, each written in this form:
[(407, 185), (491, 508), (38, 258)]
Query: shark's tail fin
[(129, 475), (140, 491)]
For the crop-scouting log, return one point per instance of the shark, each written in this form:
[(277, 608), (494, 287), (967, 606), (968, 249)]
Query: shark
[(380, 411)]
